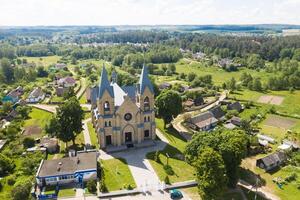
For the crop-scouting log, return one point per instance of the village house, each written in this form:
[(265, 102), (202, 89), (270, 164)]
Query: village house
[(36, 96), (202, 122), (218, 113), (51, 144), (235, 106), (271, 161), (60, 91), (124, 116), (79, 167), (67, 82), (164, 86), (14, 95)]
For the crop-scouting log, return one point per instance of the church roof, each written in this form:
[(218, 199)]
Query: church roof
[(145, 81), (119, 94), (104, 84)]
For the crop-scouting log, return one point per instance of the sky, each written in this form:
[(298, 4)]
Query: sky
[(147, 12)]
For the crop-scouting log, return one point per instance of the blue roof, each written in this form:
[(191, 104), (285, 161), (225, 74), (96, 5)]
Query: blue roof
[(104, 84), (145, 81), (130, 90)]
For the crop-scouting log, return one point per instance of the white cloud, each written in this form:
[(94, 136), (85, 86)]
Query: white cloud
[(115, 12)]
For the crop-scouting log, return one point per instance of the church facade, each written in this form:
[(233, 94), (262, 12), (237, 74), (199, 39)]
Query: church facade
[(124, 115)]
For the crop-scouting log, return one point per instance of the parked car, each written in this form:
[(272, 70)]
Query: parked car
[(175, 194)]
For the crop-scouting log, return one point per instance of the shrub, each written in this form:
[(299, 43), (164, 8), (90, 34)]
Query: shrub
[(156, 157), (91, 186), (127, 187), (11, 180), (291, 177), (28, 142), (21, 190), (168, 169)]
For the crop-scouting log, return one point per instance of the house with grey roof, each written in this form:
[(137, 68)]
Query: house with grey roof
[(235, 106), (202, 122), (36, 95), (271, 161), (79, 167)]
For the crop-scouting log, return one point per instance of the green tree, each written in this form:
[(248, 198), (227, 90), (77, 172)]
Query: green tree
[(7, 70), (210, 173), (69, 118), (21, 190), (255, 62), (191, 76), (91, 186), (28, 142), (257, 86), (169, 105), (232, 84), (6, 165)]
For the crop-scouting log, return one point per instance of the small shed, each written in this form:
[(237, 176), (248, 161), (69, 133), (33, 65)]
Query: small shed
[(235, 106)]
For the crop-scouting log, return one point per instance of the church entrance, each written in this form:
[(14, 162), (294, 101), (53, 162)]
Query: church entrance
[(128, 137), (108, 140)]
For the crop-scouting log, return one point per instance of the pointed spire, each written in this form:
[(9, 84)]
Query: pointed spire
[(104, 84), (145, 81), (114, 76)]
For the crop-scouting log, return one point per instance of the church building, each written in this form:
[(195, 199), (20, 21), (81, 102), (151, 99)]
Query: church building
[(123, 116)]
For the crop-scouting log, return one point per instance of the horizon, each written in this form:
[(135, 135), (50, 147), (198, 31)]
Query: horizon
[(147, 13)]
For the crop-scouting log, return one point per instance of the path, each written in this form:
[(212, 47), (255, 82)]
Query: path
[(262, 192), (177, 122), (82, 88), (86, 133), (52, 108)]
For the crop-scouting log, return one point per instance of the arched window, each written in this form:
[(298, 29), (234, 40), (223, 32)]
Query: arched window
[(105, 124), (146, 104), (148, 118), (145, 119), (106, 106), (109, 123)]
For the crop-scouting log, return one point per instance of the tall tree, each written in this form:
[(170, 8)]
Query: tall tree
[(169, 105), (7, 70), (68, 121), (210, 173)]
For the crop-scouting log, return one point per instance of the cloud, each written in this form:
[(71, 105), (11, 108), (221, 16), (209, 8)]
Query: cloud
[(116, 12)]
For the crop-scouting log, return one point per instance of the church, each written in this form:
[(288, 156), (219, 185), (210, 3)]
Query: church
[(123, 116)]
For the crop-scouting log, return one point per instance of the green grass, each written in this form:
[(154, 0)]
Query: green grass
[(290, 105), (93, 135), (182, 170), (66, 192), (117, 174), (45, 61), (219, 75), (38, 117), (82, 99)]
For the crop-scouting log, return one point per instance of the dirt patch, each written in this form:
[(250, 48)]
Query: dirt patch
[(32, 130), (270, 99), (280, 122)]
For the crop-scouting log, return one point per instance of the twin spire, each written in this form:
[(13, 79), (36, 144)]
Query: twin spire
[(105, 84)]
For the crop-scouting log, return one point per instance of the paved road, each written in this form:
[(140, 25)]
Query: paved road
[(86, 133)]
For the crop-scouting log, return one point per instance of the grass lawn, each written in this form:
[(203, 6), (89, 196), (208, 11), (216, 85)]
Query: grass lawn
[(117, 174), (38, 117), (93, 135), (66, 192), (219, 75), (45, 61), (82, 99), (182, 170)]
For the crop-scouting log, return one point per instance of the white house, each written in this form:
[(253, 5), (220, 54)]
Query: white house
[(36, 96), (67, 82)]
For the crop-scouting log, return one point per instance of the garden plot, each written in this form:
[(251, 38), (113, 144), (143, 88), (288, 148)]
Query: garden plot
[(270, 99), (280, 122)]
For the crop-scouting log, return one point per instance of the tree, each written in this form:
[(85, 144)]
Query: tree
[(69, 93), (6, 165), (52, 128), (255, 62), (41, 72), (21, 190), (191, 76), (257, 86), (210, 173), (169, 105), (69, 120), (28, 142), (7, 71), (91, 186), (232, 84)]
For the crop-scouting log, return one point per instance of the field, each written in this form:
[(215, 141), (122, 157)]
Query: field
[(37, 120), (44, 61), (219, 75), (289, 106), (117, 174), (270, 99)]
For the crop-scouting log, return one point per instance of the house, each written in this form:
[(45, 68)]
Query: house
[(60, 91), (124, 116), (164, 86), (288, 145), (14, 95), (36, 95), (224, 62), (235, 106), (267, 138), (236, 121), (59, 66), (198, 55), (202, 122), (12, 115), (79, 167), (51, 144), (218, 112), (271, 161), (67, 82)]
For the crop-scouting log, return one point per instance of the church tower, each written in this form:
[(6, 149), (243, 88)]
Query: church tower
[(145, 91)]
